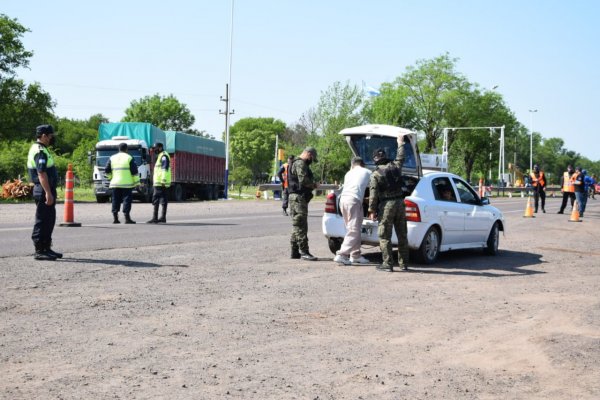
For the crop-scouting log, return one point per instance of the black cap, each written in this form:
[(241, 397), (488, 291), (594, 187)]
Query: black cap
[(123, 146), (158, 144), (44, 130)]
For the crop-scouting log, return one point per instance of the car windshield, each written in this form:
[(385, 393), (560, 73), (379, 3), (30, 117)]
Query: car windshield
[(102, 156), (366, 145)]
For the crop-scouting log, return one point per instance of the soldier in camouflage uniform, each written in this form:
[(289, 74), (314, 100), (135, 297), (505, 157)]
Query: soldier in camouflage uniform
[(301, 184), (386, 203)]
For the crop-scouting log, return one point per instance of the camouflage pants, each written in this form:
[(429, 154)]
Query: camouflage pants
[(392, 215), (299, 213)]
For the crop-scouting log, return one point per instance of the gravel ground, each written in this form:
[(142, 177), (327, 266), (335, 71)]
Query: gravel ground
[(234, 317)]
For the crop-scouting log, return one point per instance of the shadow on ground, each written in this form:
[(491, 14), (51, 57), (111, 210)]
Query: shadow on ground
[(120, 263)]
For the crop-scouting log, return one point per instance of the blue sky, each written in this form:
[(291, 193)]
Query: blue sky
[(96, 57)]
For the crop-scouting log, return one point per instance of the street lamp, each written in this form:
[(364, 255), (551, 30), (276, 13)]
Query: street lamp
[(531, 139)]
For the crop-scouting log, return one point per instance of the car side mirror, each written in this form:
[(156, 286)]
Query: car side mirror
[(484, 201)]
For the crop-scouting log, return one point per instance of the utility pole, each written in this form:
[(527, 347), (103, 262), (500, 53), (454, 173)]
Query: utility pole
[(227, 114)]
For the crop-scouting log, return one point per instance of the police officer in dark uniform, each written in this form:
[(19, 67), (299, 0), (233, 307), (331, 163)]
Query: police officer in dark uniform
[(386, 204), (43, 174), (301, 184)]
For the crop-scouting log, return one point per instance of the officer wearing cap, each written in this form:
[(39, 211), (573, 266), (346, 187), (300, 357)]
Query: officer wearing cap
[(43, 174), (162, 181), (301, 184), (386, 204), (124, 177)]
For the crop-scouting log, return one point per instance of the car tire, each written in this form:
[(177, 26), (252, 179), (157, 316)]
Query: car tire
[(430, 247), (493, 240), (334, 244)]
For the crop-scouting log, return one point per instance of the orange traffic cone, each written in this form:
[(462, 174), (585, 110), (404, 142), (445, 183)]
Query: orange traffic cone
[(528, 209), (575, 213), (68, 218)]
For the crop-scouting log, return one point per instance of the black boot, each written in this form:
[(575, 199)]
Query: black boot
[(52, 252), (305, 255), (295, 252), (128, 219), (116, 218), (154, 219), (41, 253), (163, 215)]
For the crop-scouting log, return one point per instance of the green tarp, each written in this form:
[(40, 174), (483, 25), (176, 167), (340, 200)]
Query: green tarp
[(134, 130), (179, 141)]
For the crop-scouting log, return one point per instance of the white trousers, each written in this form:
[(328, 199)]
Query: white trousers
[(352, 211)]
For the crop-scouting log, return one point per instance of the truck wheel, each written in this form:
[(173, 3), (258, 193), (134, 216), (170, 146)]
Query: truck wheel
[(179, 192), (334, 244), (101, 199)]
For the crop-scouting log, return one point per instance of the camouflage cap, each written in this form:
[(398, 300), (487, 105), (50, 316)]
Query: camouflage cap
[(313, 152)]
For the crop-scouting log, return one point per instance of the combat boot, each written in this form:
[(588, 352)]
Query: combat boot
[(52, 252), (295, 252), (385, 268), (154, 219), (128, 219), (163, 215), (307, 256), (41, 254), (116, 218)]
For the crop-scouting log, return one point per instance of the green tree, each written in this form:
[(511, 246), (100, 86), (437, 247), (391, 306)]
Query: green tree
[(13, 159), (12, 52), (167, 113), (340, 106), (240, 178)]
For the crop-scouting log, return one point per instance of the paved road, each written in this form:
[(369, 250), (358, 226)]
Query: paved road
[(188, 222)]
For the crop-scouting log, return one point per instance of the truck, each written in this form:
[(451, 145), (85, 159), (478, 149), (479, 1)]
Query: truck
[(197, 166), (139, 137), (197, 163)]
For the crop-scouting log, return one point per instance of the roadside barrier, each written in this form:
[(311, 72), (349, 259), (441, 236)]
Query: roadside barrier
[(68, 218), (528, 209)]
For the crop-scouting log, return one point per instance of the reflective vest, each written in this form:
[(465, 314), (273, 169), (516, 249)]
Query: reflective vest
[(34, 150), (121, 173), (285, 175), (541, 180), (162, 176), (568, 183)]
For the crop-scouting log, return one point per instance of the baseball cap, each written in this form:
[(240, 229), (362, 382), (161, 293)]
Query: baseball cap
[(44, 130), (313, 152), (379, 154)]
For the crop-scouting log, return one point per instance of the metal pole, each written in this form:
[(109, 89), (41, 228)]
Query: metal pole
[(276, 146), (228, 95), (531, 139)]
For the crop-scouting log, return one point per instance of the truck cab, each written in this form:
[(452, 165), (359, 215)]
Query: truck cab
[(138, 149)]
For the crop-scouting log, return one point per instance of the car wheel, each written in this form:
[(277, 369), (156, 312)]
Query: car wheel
[(430, 247), (334, 244), (493, 240)]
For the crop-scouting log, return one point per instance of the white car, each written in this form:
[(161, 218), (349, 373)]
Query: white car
[(443, 211)]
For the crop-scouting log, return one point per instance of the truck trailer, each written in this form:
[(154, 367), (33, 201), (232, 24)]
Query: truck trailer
[(139, 137), (197, 166)]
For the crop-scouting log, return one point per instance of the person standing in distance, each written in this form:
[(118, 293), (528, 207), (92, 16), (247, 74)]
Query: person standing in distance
[(124, 172), (356, 182), (386, 204), (162, 181), (282, 174), (567, 189), (301, 185), (580, 193), (42, 173), (538, 181)]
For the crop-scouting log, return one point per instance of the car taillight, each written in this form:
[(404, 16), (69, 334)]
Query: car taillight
[(412, 211), (330, 203)]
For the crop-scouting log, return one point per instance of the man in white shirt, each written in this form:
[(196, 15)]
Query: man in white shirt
[(356, 182)]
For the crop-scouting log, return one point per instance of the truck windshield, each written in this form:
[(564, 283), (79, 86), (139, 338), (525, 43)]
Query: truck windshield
[(102, 156), (365, 146)]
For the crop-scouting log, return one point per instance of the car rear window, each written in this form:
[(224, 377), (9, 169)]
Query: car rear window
[(366, 145)]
